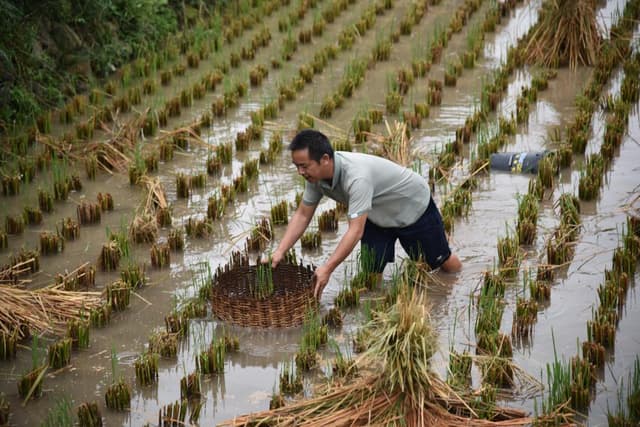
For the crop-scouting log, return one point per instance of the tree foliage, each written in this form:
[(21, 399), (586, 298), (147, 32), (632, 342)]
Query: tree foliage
[(52, 49)]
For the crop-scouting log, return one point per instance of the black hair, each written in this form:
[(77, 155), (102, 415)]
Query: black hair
[(315, 141)]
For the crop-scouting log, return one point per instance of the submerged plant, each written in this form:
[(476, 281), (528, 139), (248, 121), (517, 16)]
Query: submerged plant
[(328, 220), (30, 384), (118, 295), (526, 227), (109, 256), (487, 324), (133, 275), (459, 372), (176, 323), (60, 353), (88, 212), (289, 380), (311, 240), (89, 415), (60, 415), (198, 228), (509, 255), (61, 180), (628, 400), (260, 235), (138, 166), (8, 344), (211, 360), (173, 414), (554, 406), (160, 255), (190, 386), (78, 332), (524, 318), (51, 243), (105, 200), (342, 366), (280, 213), (118, 394), (100, 316), (164, 343), (333, 318)]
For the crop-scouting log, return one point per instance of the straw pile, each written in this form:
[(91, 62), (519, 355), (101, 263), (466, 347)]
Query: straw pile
[(10, 274), (109, 153), (156, 198), (43, 311), (567, 34), (397, 388), (144, 226), (396, 145)]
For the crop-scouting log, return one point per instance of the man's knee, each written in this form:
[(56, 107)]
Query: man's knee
[(452, 264)]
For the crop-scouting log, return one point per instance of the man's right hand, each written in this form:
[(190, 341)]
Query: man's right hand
[(276, 257)]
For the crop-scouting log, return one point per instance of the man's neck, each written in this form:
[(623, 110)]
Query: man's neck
[(331, 168)]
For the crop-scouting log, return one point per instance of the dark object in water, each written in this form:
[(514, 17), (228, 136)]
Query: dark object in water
[(517, 162)]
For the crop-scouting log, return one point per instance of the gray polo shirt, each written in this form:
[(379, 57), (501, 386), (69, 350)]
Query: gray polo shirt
[(391, 195)]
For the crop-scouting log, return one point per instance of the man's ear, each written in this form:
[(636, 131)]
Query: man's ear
[(325, 158)]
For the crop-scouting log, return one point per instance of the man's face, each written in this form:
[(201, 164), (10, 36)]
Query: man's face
[(309, 169)]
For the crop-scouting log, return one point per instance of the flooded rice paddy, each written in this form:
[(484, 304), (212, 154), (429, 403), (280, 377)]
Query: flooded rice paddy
[(251, 374)]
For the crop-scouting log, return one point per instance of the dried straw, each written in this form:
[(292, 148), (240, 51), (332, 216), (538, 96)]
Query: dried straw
[(396, 145), (143, 229), (566, 34), (156, 198), (332, 132), (187, 133), (10, 274), (84, 275), (397, 388), (121, 139), (43, 311)]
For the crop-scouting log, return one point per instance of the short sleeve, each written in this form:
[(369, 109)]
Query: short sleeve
[(360, 198), (311, 195)]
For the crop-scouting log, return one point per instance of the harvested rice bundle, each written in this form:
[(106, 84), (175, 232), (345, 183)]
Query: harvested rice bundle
[(567, 34), (398, 385)]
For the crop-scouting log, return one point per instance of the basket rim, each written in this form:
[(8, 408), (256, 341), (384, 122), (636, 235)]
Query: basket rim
[(227, 288), (232, 302)]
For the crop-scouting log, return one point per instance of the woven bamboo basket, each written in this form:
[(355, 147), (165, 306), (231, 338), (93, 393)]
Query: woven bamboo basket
[(292, 295)]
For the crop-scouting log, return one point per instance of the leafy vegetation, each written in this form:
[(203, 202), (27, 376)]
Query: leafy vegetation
[(53, 49)]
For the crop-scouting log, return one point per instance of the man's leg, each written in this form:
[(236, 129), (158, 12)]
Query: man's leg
[(377, 248), (426, 239)]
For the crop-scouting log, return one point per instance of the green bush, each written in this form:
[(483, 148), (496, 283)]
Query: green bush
[(53, 49)]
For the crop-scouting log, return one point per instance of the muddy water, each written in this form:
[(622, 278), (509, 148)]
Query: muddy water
[(252, 373)]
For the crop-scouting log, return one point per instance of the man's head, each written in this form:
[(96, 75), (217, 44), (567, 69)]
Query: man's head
[(312, 154)]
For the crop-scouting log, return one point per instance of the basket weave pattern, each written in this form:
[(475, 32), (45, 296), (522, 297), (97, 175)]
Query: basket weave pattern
[(231, 299)]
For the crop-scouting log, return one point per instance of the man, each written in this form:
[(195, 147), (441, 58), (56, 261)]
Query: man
[(386, 202)]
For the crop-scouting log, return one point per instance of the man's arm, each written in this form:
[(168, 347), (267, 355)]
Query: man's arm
[(298, 224), (345, 247)]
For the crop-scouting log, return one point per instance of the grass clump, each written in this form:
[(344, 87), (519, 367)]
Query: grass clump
[(118, 394), (89, 415)]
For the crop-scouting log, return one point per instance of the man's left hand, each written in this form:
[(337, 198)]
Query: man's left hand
[(320, 278)]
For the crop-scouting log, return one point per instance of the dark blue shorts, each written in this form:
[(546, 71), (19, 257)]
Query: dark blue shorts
[(423, 240)]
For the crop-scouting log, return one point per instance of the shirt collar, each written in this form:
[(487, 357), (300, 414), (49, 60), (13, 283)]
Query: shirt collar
[(337, 169)]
